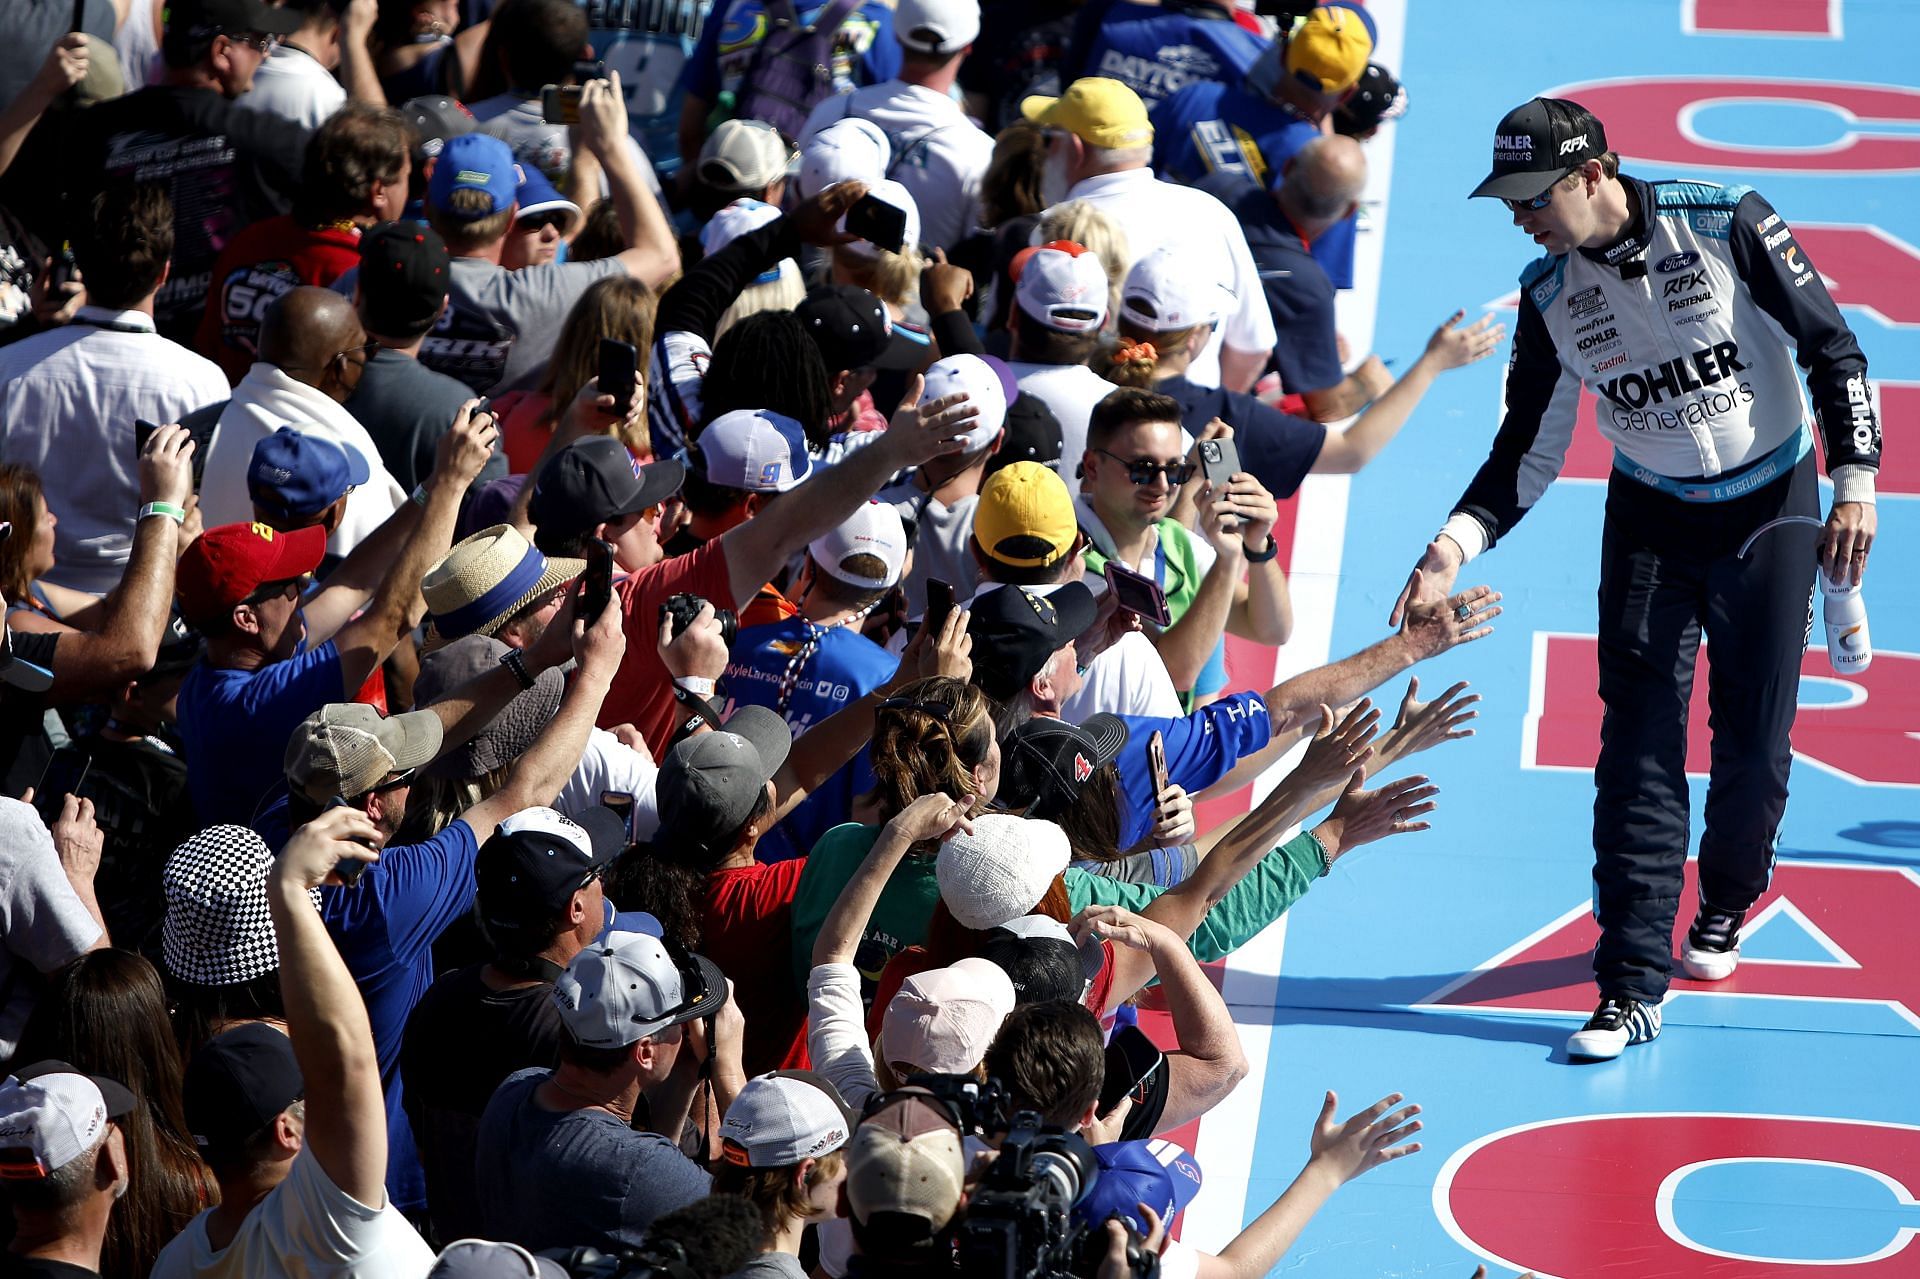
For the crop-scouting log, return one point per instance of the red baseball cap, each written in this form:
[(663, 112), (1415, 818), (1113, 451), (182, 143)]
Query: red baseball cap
[(227, 564)]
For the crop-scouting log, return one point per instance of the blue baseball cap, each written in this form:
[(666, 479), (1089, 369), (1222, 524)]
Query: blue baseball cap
[(474, 162), (1156, 1173), (757, 450), (536, 195), (296, 476)]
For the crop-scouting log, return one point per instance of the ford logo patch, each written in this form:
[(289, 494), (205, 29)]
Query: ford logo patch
[(1677, 262)]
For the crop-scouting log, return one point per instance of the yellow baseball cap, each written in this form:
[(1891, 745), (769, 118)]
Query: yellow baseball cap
[(1330, 49), (1098, 111), (1025, 518)]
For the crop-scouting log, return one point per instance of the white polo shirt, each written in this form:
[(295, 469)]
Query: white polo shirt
[(939, 155), (293, 86), (1071, 391), (1154, 213)]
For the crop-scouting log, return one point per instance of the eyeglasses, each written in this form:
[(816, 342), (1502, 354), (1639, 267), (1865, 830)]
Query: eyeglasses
[(398, 781), (534, 223), (942, 713), (259, 41), (365, 351), (1143, 470), (291, 586), (1542, 200)]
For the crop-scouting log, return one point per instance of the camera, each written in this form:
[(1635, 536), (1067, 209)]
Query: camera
[(1019, 1222), (683, 608)]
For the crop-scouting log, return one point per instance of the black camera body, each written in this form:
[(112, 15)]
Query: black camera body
[(683, 608), (1019, 1222)]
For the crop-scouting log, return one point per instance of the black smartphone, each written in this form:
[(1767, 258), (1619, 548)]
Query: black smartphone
[(142, 432), (1219, 462), (1138, 594), (79, 22), (65, 774), (878, 223), (940, 603), (1157, 763), (558, 105), (596, 584), (619, 372), (1132, 1060), (620, 804), (348, 869), (587, 69)]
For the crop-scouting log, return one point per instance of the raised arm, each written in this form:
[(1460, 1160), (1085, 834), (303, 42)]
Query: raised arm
[(397, 606), (652, 252), (1450, 347), (928, 817), (357, 73), (66, 66), (346, 1125)]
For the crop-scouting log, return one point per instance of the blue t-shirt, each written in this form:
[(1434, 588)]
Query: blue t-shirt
[(234, 727), (864, 50), (1278, 449), (1211, 128), (1156, 50), (844, 668), (1299, 292), (1201, 749), (385, 927)]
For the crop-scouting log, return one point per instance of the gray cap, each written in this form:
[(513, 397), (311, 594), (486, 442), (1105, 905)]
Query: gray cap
[(487, 1259), (709, 784), (508, 735), (346, 749)]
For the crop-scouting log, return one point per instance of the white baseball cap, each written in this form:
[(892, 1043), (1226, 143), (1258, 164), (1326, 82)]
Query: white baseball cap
[(734, 221), (985, 389), (1001, 870), (628, 986), (848, 150), (1064, 286), (757, 450), (936, 26), (50, 1115), (1169, 290), (889, 192), (782, 1117), (875, 529), (942, 1021)]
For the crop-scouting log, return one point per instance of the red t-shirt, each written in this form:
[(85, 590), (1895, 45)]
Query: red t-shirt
[(642, 691), (524, 428), (258, 265), (749, 934)]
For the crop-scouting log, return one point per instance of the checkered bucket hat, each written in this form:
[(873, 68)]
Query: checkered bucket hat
[(217, 930)]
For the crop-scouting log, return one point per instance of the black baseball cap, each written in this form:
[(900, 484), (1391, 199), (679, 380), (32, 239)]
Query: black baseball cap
[(404, 272), (1376, 99), (236, 1084), (1016, 629), (435, 118), (1538, 143), (1049, 760), (594, 480), (852, 329), (190, 21), (530, 868), (1031, 434)]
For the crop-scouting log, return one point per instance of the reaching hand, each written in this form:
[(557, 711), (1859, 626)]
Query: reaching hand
[(1422, 725), (1365, 1141), (599, 643), (1433, 628), (1451, 347), (603, 115), (1363, 816), (817, 220), (943, 286), (1122, 927), (700, 650), (933, 816), (78, 839), (922, 430), (466, 447), (338, 834), (1337, 750), (357, 22), (1431, 578), (166, 466)]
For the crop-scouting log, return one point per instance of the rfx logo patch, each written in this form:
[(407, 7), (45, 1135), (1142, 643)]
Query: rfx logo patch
[(1586, 302), (1573, 144)]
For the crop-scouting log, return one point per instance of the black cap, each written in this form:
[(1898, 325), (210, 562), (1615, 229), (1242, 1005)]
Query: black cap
[(404, 272), (1049, 760), (1537, 144), (1041, 968), (191, 21), (533, 864), (1016, 629), (1375, 100), (594, 480), (236, 1084), (1031, 434), (852, 329), (435, 118)]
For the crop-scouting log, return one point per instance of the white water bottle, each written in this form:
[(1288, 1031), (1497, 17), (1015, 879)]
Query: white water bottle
[(1849, 647)]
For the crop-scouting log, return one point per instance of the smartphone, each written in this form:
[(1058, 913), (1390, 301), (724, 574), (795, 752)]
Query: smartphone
[(940, 603), (56, 783), (619, 372), (1132, 1060), (586, 69), (620, 804), (878, 223), (596, 584), (142, 432), (558, 105), (1219, 462), (348, 869), (79, 22), (1157, 762), (1138, 594)]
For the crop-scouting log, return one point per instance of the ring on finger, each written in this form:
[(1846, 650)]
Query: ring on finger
[(1462, 613)]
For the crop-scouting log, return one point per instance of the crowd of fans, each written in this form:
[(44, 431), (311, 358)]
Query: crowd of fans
[(615, 620)]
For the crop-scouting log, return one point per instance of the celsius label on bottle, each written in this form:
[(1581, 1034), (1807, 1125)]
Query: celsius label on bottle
[(1849, 645)]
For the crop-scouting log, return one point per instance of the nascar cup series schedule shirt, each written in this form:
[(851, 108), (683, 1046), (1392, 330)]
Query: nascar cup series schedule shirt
[(1685, 328)]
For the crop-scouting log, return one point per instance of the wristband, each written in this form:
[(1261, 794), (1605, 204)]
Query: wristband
[(1326, 858), (419, 495), (516, 662), (695, 684), (1273, 549), (178, 514)]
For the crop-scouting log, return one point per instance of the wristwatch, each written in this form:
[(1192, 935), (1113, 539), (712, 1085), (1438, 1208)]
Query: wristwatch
[(516, 662), (1273, 549)]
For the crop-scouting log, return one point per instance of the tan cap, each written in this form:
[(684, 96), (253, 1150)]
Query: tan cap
[(347, 748)]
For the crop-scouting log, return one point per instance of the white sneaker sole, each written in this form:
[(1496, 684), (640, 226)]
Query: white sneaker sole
[(1709, 965), (1596, 1045)]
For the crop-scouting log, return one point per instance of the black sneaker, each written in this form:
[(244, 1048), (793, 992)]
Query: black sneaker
[(1615, 1024), (1712, 951)]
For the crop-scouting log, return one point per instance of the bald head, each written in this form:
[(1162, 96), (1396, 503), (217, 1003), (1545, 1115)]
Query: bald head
[(305, 329), (1324, 179)]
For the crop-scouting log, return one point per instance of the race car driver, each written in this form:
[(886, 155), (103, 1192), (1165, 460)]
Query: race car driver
[(1674, 302)]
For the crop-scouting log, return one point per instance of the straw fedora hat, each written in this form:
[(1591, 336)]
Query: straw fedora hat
[(486, 579)]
